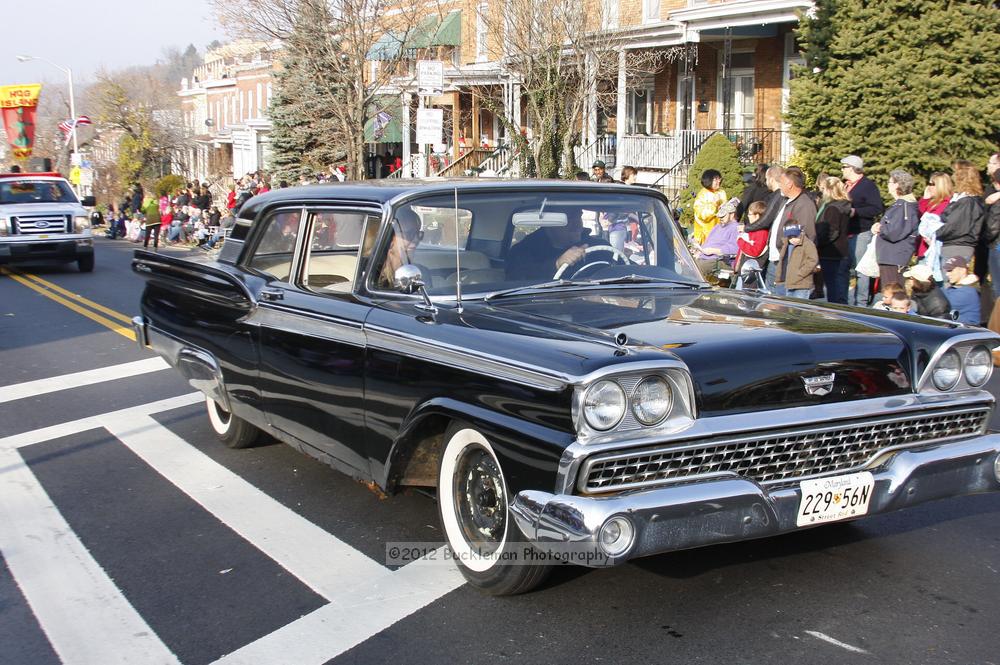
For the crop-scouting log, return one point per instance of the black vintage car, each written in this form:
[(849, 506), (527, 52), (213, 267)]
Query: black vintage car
[(547, 356)]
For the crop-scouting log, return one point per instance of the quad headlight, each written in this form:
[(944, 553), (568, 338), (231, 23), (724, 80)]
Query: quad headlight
[(947, 371), (652, 400), (604, 405), (978, 366), (630, 401)]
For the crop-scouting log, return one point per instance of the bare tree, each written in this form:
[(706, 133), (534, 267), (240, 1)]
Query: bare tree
[(336, 52), (561, 53), (139, 108)]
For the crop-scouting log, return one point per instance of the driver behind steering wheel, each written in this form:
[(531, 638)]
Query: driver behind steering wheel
[(541, 254)]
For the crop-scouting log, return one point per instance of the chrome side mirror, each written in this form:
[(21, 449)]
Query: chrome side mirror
[(749, 266), (408, 278)]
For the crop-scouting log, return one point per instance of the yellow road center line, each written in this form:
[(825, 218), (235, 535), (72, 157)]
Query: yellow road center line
[(107, 323), (80, 299)]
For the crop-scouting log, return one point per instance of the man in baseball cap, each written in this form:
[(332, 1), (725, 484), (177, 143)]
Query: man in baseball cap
[(598, 170), (962, 290)]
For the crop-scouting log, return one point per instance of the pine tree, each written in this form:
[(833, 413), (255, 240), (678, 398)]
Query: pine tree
[(907, 85), (720, 154), (304, 134)]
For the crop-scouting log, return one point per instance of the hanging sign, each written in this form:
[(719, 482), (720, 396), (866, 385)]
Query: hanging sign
[(18, 104)]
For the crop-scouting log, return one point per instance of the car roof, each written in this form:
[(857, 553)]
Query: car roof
[(382, 191)]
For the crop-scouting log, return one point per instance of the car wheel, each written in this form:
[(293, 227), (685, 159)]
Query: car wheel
[(231, 430), (85, 263), (473, 503)]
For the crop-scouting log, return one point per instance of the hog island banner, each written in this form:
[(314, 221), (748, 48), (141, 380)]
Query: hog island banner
[(18, 104)]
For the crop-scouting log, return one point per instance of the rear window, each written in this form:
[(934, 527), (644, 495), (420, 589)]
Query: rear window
[(36, 191)]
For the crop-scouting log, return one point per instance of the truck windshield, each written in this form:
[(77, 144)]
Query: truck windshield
[(36, 191)]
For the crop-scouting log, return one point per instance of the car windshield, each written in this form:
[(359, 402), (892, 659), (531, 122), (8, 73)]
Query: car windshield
[(36, 191), (498, 241)]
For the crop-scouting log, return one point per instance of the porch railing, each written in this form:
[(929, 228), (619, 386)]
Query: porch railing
[(603, 148), (472, 159)]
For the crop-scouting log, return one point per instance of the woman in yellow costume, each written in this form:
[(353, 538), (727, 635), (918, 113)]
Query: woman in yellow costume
[(707, 204)]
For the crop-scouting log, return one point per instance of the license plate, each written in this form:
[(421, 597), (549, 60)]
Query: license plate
[(834, 498)]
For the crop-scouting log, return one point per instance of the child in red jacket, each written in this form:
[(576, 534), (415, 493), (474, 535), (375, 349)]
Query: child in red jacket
[(752, 244)]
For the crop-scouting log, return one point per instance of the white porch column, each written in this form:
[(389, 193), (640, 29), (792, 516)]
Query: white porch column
[(406, 134), (516, 101), (590, 105), (620, 121)]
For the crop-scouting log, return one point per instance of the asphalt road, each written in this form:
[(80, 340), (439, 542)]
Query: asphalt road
[(129, 534)]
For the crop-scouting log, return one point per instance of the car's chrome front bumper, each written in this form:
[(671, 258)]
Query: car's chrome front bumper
[(685, 516)]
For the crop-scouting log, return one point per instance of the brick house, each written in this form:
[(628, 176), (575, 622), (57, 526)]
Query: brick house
[(224, 111), (728, 70)]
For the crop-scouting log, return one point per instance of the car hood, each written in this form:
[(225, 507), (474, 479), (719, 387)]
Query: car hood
[(15, 209), (745, 352)]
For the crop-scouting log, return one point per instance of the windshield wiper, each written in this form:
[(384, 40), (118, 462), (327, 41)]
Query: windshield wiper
[(555, 284), (643, 279)]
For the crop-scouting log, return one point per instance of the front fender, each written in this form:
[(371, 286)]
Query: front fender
[(528, 453)]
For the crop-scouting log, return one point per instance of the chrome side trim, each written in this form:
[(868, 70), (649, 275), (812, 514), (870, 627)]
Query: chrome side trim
[(968, 340), (311, 324), (735, 425), (478, 363)]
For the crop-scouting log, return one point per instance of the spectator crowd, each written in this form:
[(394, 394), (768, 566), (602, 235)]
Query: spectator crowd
[(839, 242)]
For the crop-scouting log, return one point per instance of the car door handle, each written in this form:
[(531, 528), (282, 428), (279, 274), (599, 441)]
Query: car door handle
[(270, 295)]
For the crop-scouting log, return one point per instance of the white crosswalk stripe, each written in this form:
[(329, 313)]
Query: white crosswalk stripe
[(73, 598)]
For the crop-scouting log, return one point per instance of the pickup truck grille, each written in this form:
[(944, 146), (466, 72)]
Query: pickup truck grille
[(776, 457), (28, 225)]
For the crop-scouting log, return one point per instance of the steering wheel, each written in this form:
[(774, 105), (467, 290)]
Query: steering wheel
[(615, 254)]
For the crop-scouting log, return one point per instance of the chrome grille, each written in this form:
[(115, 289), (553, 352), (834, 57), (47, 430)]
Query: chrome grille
[(41, 224), (773, 457)]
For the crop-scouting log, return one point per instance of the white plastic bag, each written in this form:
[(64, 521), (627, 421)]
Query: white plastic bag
[(868, 265)]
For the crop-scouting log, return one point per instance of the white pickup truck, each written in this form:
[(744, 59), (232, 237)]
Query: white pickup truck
[(42, 219)]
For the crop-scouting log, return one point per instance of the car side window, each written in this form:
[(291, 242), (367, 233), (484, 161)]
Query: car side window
[(335, 248), (276, 248)]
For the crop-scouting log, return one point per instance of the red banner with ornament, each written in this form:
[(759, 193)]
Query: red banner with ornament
[(18, 104)]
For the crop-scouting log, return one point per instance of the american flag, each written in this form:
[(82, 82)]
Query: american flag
[(66, 126)]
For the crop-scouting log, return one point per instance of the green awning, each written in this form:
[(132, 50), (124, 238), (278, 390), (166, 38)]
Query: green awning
[(387, 47), (436, 31), (422, 36), (450, 31), (385, 124)]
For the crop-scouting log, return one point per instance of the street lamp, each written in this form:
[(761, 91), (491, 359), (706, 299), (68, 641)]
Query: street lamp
[(72, 106)]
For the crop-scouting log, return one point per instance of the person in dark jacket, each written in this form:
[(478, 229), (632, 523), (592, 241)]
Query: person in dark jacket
[(962, 221), (866, 205), (925, 293), (135, 203), (756, 190), (993, 230), (896, 234), (831, 237)]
